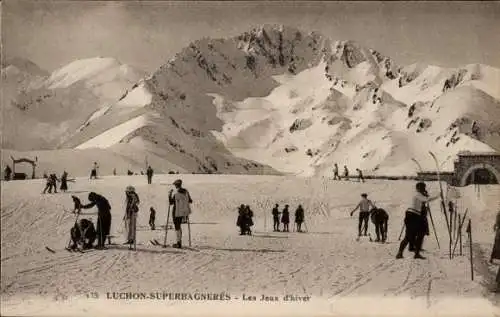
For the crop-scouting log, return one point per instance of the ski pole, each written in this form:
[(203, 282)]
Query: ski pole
[(189, 230), (166, 227), (401, 233), (434, 228)]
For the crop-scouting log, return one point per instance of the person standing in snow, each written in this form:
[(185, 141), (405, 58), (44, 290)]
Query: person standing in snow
[(285, 218), (64, 182), (103, 216), (365, 205), (240, 221), (181, 201), (346, 173), (299, 218), (495, 252), (336, 172), (248, 220), (152, 217), (380, 219), (276, 218), (131, 210), (415, 221), (93, 172), (360, 175), (7, 173), (149, 173)]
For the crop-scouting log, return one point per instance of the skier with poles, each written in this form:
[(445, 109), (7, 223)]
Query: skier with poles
[(365, 205), (103, 216), (415, 221), (180, 200), (132, 208)]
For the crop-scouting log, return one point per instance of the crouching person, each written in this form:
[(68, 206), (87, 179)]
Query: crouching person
[(181, 200), (84, 233), (380, 219)]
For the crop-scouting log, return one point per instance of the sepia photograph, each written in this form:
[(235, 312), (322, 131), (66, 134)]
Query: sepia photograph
[(250, 158)]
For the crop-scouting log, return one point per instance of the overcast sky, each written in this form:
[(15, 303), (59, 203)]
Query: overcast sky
[(147, 34)]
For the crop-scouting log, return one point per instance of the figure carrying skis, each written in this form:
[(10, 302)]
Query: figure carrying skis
[(181, 201)]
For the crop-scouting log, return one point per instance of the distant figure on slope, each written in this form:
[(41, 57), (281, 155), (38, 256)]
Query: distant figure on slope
[(93, 172), (103, 216), (336, 172), (152, 217), (77, 204), (84, 233), (114, 171), (7, 173), (285, 219), (364, 213), (299, 218), (346, 173), (249, 220), (181, 201), (495, 252), (416, 224), (276, 218), (380, 219), (64, 181), (360, 175), (131, 210), (240, 222), (149, 173)]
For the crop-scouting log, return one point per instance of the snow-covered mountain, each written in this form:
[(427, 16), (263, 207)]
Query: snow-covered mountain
[(297, 102)]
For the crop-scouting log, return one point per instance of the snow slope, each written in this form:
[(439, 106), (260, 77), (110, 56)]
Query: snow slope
[(325, 263)]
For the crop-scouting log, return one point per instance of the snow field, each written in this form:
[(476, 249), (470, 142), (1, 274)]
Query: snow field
[(326, 263)]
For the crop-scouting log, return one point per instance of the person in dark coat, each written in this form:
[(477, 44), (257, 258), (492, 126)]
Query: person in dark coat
[(7, 173), (64, 182), (53, 182), (149, 173), (299, 217), (240, 222), (83, 232), (103, 216), (276, 218), (415, 224), (285, 218), (152, 217), (380, 219), (248, 220)]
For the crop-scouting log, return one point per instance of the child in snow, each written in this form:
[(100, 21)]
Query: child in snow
[(84, 233), (364, 213), (152, 216), (276, 218), (77, 203), (285, 219), (299, 217)]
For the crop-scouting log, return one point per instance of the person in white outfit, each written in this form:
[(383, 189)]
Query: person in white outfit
[(181, 201)]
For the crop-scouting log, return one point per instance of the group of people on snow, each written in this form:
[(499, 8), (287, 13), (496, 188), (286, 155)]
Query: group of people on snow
[(285, 218), (245, 221), (85, 234), (51, 182), (378, 216), (336, 175)]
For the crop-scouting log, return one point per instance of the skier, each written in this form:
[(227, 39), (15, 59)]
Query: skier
[(336, 172), (360, 175), (131, 210), (276, 218), (380, 219), (152, 217), (495, 252), (181, 201), (53, 182), (7, 173), (415, 221), (103, 216), (83, 232), (299, 217), (285, 218), (93, 172), (346, 173), (149, 173), (48, 185), (64, 182), (365, 205), (77, 203)]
